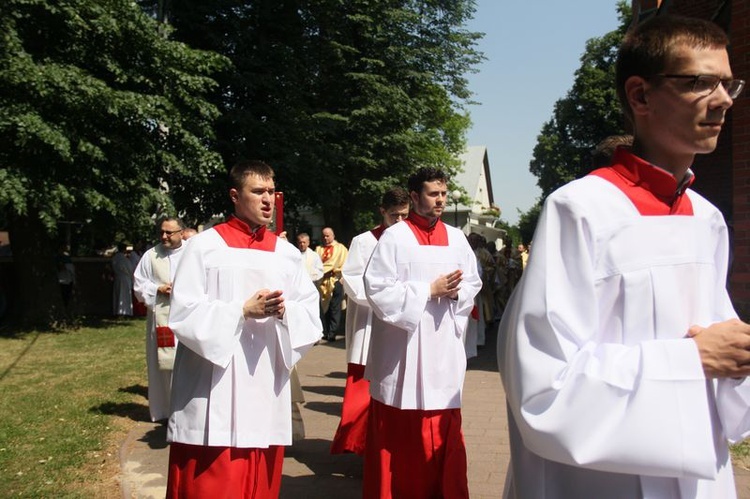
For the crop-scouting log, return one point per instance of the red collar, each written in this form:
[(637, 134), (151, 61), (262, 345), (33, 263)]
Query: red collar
[(426, 234), (237, 234), (378, 231), (652, 190)]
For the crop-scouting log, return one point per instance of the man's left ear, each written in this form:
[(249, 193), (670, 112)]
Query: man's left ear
[(636, 92)]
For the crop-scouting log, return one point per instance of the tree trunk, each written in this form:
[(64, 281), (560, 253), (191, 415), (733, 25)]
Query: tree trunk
[(35, 266)]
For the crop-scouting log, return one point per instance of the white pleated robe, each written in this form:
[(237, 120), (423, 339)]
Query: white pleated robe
[(145, 286), (358, 310), (606, 395), (231, 378), (416, 358)]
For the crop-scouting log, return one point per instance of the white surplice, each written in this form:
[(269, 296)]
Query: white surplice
[(416, 358), (358, 311), (313, 264), (606, 395), (231, 377), (145, 286)]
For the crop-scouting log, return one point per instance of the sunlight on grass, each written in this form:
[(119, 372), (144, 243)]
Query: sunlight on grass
[(61, 395)]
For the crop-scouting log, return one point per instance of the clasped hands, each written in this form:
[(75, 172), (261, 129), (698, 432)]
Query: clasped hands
[(264, 303), (724, 348), (447, 285)]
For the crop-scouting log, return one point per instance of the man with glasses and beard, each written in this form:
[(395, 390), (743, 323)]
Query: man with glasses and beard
[(152, 284)]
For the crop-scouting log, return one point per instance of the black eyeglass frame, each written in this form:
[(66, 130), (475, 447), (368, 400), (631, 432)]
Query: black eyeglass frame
[(170, 232), (713, 82)]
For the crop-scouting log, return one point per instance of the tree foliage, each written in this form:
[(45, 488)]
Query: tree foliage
[(102, 121), (588, 113), (344, 99)]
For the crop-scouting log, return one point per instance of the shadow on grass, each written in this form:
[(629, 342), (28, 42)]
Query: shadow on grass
[(16, 329), (131, 410), (135, 390), (19, 357)]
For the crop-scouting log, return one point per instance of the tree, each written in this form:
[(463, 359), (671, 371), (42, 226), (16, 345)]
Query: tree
[(102, 120), (344, 99), (589, 113)]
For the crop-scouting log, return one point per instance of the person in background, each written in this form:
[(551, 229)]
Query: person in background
[(352, 430), (604, 151), (122, 288), (421, 282), (152, 284), (188, 232), (313, 263), (333, 255)]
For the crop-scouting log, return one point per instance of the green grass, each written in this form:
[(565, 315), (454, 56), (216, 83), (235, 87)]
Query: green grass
[(65, 401)]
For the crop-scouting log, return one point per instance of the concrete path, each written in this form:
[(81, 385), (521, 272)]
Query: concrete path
[(311, 472)]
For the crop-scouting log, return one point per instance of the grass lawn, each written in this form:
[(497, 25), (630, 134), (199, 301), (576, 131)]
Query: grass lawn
[(67, 401)]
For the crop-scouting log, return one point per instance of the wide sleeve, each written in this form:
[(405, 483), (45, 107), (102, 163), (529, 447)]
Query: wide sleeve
[(317, 267), (637, 408), (208, 326), (353, 271), (471, 284), (300, 327), (732, 396), (144, 287), (393, 300)]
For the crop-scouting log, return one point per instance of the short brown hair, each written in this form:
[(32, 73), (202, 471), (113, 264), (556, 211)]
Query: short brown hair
[(602, 154), (394, 197), (426, 174), (242, 169), (648, 48)]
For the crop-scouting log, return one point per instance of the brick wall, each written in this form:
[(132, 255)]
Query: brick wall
[(740, 58)]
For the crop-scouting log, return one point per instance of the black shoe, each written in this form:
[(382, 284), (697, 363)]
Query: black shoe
[(331, 337)]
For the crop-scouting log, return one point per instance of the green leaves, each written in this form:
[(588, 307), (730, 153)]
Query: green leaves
[(343, 99), (85, 88), (586, 115)]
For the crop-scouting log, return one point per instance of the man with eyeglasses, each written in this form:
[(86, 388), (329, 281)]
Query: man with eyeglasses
[(152, 284), (622, 358)]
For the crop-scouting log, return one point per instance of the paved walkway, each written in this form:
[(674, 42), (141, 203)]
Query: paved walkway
[(311, 472)]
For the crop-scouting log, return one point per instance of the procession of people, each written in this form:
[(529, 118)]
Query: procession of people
[(623, 362)]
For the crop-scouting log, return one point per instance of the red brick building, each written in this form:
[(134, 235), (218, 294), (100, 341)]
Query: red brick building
[(724, 176)]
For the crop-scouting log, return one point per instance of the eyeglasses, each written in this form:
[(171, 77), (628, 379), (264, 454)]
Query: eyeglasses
[(170, 232), (706, 84)]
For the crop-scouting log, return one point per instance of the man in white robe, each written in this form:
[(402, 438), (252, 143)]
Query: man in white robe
[(420, 282), (352, 430), (313, 263), (622, 358), (122, 287), (152, 284), (244, 311)]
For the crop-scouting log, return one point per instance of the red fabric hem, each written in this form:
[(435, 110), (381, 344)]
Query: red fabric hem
[(351, 435), (197, 472)]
